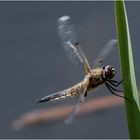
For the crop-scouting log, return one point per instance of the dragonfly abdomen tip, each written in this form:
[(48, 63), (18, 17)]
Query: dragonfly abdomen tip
[(42, 100), (38, 101)]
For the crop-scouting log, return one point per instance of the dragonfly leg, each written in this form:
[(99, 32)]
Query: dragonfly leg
[(112, 90), (115, 83), (85, 95)]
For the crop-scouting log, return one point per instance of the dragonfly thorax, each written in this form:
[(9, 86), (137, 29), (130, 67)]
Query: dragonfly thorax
[(108, 72)]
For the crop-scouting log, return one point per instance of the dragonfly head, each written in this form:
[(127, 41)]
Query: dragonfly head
[(108, 72)]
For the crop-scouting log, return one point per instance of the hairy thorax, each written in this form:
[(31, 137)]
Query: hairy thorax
[(94, 78)]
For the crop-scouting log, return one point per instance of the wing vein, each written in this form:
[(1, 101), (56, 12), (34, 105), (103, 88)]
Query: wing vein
[(70, 43)]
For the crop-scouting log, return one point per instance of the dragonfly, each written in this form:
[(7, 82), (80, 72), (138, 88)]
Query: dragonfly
[(94, 77)]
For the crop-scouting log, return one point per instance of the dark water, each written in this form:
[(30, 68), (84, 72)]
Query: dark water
[(34, 64)]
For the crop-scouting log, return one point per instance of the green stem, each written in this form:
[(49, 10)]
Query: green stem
[(127, 70)]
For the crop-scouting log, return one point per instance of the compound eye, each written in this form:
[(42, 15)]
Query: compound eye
[(103, 67)]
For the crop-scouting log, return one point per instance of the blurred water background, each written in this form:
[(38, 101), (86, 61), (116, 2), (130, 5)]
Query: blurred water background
[(33, 64)]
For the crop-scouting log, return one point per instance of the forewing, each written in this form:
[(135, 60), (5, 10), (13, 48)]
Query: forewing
[(70, 43), (104, 52)]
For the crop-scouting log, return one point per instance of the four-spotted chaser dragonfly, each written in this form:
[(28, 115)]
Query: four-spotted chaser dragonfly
[(94, 76)]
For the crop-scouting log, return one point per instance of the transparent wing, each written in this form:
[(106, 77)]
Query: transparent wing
[(70, 43), (76, 109), (104, 52)]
